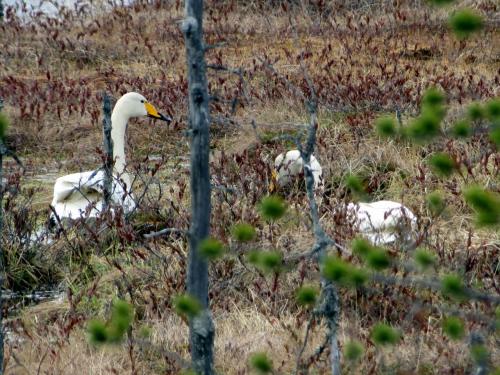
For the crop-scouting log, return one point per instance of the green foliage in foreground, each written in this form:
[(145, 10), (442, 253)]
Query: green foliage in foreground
[(353, 351), (452, 286), (486, 205), (243, 232), (475, 111), (384, 335), (435, 203), (211, 248), (427, 126), (454, 328), (461, 129), (479, 354), (113, 331), (187, 305), (376, 257), (261, 363), (355, 185), (442, 164), (465, 22), (386, 127), (272, 208), (493, 110), (343, 273), (307, 295), (4, 125), (267, 261), (424, 258)]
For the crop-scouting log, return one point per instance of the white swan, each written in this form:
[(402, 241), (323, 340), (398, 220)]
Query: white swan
[(383, 222), (76, 192), (289, 166)]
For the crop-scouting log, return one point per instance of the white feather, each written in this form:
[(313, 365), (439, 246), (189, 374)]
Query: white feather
[(290, 165), (383, 222)]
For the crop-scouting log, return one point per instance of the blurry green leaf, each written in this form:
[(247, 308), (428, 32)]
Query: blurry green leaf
[(270, 260), (465, 22), (355, 185), (497, 318), (335, 269), (382, 334), (4, 125), (378, 259), (338, 270), (211, 248), (306, 295), (361, 247), (243, 232), (187, 305), (121, 319), (424, 128), (253, 257), (433, 98), (353, 351), (261, 363), (479, 354), (452, 286), (495, 137), (272, 207), (357, 277), (386, 127), (442, 164), (435, 203), (453, 327), (475, 111), (486, 205), (97, 332), (267, 261), (493, 109), (461, 129), (424, 258)]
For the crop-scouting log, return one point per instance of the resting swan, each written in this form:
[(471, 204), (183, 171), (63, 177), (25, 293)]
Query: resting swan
[(383, 222), (289, 166), (75, 192)]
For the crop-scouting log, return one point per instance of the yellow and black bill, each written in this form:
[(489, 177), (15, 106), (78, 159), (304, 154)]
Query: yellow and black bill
[(273, 185), (153, 113)]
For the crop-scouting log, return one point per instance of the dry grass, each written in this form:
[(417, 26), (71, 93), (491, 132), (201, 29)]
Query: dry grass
[(363, 63)]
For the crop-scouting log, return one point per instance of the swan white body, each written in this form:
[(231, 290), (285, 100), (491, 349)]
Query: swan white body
[(290, 165), (383, 222), (75, 192)]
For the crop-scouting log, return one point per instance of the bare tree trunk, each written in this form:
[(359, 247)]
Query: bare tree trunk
[(329, 308), (2, 262), (2, 257), (201, 333), (108, 150)]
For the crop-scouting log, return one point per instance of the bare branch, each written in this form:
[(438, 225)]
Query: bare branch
[(164, 232)]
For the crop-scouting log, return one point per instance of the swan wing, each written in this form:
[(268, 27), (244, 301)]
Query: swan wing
[(73, 193), (383, 222)]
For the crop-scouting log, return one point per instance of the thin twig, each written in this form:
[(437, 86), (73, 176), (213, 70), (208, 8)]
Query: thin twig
[(166, 231)]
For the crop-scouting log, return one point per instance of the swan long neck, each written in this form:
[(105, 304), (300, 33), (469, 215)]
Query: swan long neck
[(118, 128)]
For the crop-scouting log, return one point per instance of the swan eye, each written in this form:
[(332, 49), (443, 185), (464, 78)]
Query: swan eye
[(142, 100)]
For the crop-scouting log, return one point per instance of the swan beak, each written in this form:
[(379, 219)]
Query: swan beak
[(274, 182), (153, 113)]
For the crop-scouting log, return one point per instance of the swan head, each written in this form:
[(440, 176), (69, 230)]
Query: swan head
[(134, 104)]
